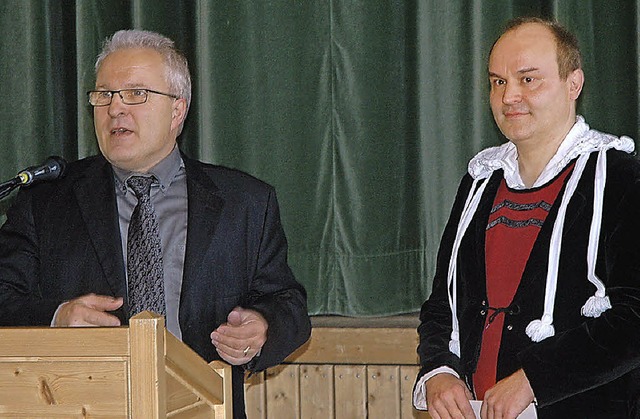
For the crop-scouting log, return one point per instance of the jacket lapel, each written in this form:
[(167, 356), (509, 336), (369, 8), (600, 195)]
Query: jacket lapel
[(479, 225), (204, 209), (95, 195)]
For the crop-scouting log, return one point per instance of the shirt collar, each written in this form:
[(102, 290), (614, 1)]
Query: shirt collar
[(165, 171), (580, 140)]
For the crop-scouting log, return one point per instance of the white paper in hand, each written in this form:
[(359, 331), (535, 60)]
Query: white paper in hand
[(528, 413)]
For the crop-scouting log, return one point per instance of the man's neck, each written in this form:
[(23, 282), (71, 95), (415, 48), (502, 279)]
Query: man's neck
[(535, 154), (531, 162)]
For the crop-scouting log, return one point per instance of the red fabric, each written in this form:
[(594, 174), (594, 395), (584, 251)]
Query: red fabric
[(511, 233)]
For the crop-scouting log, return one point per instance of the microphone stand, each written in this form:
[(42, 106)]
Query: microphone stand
[(8, 186)]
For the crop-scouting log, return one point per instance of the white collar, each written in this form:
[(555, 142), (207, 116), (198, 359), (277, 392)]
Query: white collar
[(580, 140)]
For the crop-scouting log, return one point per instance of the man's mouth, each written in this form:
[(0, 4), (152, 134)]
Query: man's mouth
[(117, 131), (514, 114)]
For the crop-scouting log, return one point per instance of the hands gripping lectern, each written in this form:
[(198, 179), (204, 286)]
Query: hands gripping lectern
[(139, 371)]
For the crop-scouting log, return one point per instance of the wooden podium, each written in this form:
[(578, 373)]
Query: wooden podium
[(140, 371)]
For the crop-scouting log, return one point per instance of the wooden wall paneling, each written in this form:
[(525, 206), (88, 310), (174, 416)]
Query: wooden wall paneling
[(255, 396), (407, 378), (283, 392), (317, 391), (375, 345), (373, 373), (408, 375), (383, 391), (351, 391)]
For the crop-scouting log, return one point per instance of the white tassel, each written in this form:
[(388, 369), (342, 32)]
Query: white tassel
[(596, 305), (454, 343), (470, 207), (539, 330)]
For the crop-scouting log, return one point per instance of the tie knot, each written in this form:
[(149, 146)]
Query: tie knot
[(141, 185)]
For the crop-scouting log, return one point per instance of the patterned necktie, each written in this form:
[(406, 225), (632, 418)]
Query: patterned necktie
[(144, 252)]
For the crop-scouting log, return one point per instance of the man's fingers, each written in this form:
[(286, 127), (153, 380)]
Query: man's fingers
[(243, 324), (484, 413), (226, 341), (448, 397), (508, 397), (100, 318), (88, 310), (240, 339), (452, 407), (102, 302), (234, 351), (235, 356), (81, 315), (235, 332), (466, 409)]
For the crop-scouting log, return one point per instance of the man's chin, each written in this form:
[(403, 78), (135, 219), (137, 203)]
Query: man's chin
[(124, 161), (515, 130)]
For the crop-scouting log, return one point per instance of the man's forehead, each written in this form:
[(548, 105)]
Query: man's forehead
[(524, 45), (528, 34), (132, 64)]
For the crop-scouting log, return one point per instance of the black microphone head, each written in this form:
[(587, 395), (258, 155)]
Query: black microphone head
[(53, 168), (57, 166)]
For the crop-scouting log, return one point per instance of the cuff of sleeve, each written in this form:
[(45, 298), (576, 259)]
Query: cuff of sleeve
[(250, 366), (420, 390), (55, 314)]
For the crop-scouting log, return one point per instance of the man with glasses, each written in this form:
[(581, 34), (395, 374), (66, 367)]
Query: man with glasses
[(143, 227)]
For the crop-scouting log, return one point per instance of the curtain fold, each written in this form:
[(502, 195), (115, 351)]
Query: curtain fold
[(362, 114)]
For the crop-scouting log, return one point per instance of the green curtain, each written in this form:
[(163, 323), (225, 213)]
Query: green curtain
[(362, 114)]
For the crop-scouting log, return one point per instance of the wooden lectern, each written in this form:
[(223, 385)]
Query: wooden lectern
[(140, 372)]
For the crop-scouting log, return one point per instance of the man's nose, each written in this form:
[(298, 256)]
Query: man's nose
[(117, 106), (512, 93)]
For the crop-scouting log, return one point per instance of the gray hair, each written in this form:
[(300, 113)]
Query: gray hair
[(176, 66)]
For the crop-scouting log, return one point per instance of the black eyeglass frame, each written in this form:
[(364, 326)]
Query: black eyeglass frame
[(113, 92)]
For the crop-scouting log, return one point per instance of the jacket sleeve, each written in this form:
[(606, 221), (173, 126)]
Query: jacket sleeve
[(435, 316), (276, 294), (21, 300)]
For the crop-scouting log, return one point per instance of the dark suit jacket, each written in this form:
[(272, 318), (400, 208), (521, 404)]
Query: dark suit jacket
[(62, 240), (589, 368)]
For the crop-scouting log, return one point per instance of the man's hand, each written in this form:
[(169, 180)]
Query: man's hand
[(508, 398), (448, 397), (241, 337), (88, 310)]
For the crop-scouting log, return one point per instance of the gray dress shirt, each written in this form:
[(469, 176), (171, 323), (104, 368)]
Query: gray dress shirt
[(169, 199)]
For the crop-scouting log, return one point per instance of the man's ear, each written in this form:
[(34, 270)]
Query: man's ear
[(576, 82), (179, 113)]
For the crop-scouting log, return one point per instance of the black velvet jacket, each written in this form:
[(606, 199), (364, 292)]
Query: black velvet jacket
[(589, 368)]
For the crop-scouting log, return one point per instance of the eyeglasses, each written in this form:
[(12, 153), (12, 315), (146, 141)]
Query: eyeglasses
[(128, 96)]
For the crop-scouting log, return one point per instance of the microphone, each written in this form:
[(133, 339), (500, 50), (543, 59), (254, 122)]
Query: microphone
[(52, 168)]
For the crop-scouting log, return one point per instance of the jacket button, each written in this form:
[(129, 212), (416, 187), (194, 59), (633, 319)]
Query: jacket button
[(483, 312), (510, 327)]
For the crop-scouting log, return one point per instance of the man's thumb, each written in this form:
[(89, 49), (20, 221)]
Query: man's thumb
[(234, 318)]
